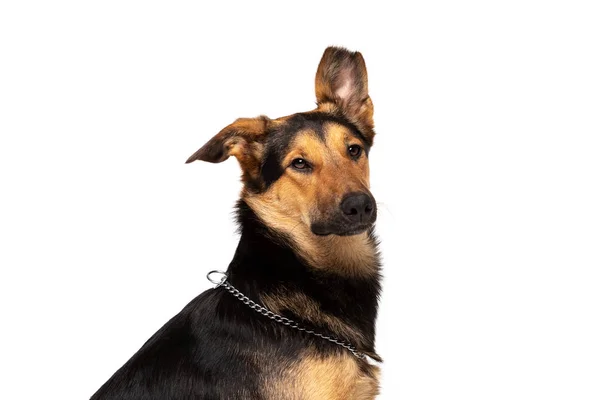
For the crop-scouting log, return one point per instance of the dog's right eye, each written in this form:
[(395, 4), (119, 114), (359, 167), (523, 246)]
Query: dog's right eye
[(300, 163)]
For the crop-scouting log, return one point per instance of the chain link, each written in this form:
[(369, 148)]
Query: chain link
[(279, 318)]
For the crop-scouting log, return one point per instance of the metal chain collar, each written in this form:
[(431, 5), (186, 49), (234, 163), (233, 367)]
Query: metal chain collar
[(278, 318)]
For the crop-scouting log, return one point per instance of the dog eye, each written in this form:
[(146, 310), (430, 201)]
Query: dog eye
[(354, 151), (300, 163)]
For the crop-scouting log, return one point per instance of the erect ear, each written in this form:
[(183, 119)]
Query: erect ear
[(242, 139), (342, 80)]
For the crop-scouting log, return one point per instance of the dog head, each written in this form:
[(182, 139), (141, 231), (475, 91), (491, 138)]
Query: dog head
[(307, 174)]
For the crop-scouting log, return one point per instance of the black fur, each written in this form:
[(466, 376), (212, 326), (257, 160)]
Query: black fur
[(218, 348)]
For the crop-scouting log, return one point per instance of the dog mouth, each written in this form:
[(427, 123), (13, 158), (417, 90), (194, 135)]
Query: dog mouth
[(326, 230)]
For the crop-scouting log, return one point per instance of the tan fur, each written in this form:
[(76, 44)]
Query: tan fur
[(301, 304), (247, 153), (296, 199), (314, 377)]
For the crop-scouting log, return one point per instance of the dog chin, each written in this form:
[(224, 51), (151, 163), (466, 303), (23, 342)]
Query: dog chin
[(322, 230)]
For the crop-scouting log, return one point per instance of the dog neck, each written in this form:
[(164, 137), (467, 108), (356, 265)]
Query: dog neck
[(269, 268)]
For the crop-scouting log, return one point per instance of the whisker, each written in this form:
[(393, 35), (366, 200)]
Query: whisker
[(387, 209), (295, 226)]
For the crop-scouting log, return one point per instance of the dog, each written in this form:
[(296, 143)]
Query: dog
[(294, 316)]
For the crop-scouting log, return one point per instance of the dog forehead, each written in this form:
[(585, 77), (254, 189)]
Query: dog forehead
[(323, 126)]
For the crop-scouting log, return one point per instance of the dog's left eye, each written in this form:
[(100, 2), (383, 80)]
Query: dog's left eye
[(354, 151)]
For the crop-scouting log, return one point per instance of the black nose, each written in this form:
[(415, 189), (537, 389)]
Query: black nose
[(358, 207)]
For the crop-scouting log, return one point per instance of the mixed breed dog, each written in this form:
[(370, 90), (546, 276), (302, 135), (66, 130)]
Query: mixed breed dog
[(307, 260)]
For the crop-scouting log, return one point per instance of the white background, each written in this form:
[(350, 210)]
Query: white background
[(486, 169)]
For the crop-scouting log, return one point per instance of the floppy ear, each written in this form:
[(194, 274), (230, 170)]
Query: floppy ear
[(342, 80), (242, 139)]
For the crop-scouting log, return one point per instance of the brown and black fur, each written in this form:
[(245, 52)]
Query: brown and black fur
[(303, 253)]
